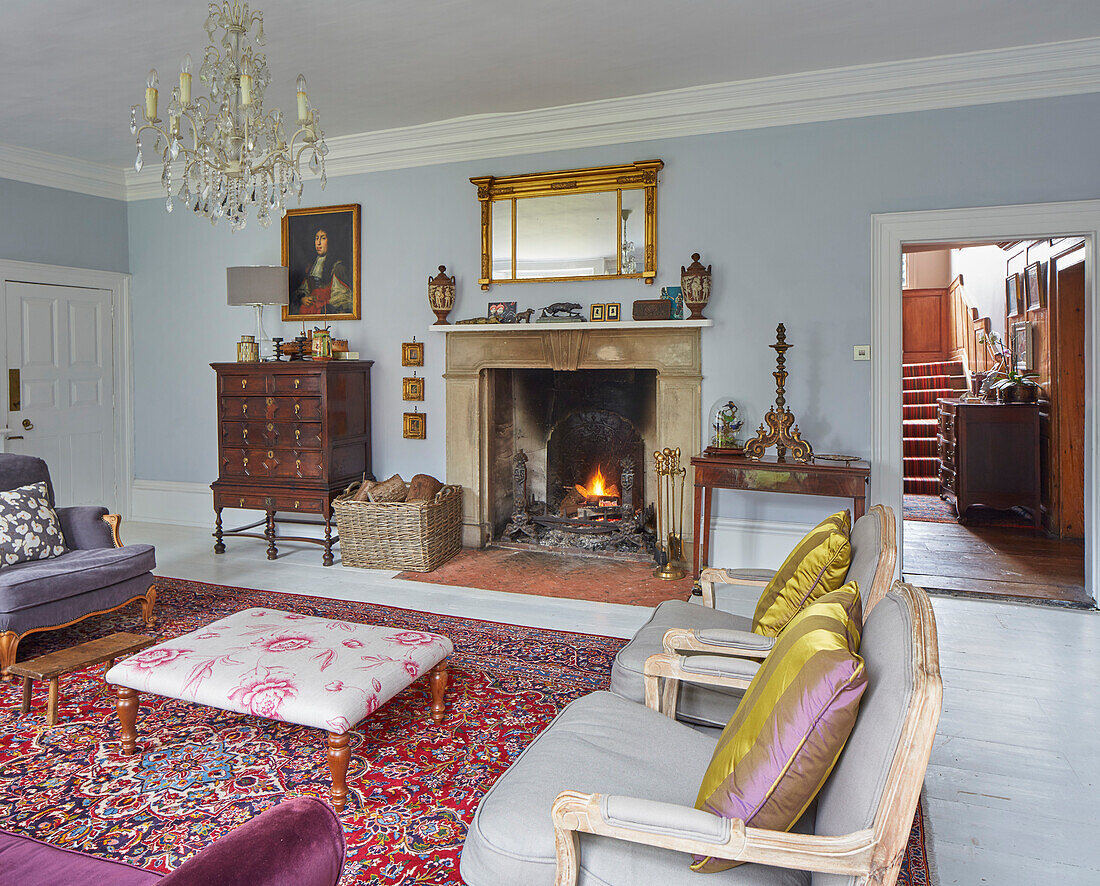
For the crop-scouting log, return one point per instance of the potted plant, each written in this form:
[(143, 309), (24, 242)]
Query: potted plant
[(1013, 385)]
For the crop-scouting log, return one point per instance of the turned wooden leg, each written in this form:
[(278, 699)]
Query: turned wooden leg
[(438, 677), (272, 551), (126, 703), (327, 559), (51, 704), (219, 545), (339, 753), (147, 604), (9, 643), (26, 707)]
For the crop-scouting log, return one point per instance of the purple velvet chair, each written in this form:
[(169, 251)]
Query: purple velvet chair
[(97, 574), (297, 843)]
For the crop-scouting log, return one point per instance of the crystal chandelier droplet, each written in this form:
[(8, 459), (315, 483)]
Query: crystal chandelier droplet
[(233, 154)]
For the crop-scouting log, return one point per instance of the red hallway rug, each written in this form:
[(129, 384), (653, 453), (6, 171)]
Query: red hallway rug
[(414, 786), (551, 574)]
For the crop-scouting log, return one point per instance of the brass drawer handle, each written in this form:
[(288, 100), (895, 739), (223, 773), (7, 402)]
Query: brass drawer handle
[(297, 408), (295, 504), (246, 461), (297, 435), (270, 400), (271, 426), (242, 502), (244, 433), (298, 464), (270, 454), (297, 383), (269, 502)]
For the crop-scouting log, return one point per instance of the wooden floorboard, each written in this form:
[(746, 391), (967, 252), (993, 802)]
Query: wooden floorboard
[(995, 561)]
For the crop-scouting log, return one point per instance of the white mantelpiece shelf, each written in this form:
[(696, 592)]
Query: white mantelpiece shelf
[(595, 326)]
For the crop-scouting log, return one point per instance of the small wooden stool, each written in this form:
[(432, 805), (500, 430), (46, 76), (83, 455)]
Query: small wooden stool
[(55, 664)]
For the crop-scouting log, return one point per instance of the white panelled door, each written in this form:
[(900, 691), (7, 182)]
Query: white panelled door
[(60, 339)]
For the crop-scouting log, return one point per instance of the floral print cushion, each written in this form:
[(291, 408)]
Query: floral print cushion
[(29, 529), (284, 666)]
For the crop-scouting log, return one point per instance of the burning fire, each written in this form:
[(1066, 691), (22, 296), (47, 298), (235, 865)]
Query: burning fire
[(597, 488)]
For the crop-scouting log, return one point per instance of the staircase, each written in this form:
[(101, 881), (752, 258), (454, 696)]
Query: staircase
[(922, 384)]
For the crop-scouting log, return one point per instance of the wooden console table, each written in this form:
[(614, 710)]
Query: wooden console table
[(767, 475)]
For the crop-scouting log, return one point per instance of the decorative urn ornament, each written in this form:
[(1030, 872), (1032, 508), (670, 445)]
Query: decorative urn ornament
[(441, 295), (695, 286)]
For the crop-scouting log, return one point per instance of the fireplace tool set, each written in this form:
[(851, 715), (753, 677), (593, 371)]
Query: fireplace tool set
[(670, 518)]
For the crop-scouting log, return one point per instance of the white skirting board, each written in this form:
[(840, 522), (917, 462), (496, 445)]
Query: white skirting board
[(735, 542)]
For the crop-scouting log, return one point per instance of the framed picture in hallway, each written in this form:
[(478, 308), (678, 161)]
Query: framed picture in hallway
[(1022, 345), (1014, 296), (1035, 279), (321, 250)]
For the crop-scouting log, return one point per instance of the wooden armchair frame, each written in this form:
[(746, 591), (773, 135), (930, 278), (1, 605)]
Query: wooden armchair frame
[(873, 855), (9, 640), (884, 572)]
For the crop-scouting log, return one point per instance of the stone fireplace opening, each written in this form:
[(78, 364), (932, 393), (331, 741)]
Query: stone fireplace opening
[(568, 454)]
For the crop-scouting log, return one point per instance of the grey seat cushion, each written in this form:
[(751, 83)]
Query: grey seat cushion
[(707, 706), (601, 744), (26, 585)]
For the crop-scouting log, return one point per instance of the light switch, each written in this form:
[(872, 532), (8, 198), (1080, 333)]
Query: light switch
[(861, 352)]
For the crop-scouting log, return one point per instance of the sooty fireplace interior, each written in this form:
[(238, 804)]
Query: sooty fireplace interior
[(568, 454)]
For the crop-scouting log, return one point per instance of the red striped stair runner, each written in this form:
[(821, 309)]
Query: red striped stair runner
[(923, 384)]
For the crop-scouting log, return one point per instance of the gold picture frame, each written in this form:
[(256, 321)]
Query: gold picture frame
[(415, 426), (412, 353), (613, 312), (595, 313), (502, 196), (335, 294), (412, 388)]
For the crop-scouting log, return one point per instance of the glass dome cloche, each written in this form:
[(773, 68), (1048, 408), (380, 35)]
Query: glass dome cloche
[(725, 426)]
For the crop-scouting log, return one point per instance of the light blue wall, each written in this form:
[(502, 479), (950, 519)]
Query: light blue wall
[(783, 214), (56, 227)]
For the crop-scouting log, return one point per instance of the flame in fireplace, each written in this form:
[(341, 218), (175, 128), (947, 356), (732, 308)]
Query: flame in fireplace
[(598, 487)]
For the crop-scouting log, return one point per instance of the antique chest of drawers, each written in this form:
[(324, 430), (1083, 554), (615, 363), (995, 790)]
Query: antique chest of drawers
[(291, 437), (989, 455)]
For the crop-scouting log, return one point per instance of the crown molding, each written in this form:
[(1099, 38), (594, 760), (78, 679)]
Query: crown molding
[(67, 173), (976, 78)]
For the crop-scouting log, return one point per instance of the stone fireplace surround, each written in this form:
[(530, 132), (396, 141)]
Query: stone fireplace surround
[(672, 348)]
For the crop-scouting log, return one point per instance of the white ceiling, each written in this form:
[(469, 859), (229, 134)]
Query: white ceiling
[(70, 69)]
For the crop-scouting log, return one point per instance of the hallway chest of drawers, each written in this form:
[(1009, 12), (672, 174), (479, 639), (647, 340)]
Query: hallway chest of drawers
[(291, 437), (989, 455)]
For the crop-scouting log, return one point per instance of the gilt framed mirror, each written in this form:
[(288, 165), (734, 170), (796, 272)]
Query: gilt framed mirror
[(576, 224)]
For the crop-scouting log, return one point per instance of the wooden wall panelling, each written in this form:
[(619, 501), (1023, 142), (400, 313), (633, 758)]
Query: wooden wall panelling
[(960, 328), (926, 325), (1066, 297)]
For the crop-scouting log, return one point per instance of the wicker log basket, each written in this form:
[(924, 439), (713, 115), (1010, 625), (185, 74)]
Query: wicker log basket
[(404, 535)]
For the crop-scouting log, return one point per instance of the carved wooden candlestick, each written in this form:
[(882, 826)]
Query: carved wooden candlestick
[(782, 431)]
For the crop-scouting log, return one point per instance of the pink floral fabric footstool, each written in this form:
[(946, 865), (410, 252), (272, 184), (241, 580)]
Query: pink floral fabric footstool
[(284, 666)]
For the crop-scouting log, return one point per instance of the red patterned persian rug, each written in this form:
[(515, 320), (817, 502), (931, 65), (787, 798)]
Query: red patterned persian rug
[(414, 786)]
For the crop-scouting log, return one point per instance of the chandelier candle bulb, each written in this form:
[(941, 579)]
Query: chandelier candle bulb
[(185, 81), (303, 101), (151, 84)]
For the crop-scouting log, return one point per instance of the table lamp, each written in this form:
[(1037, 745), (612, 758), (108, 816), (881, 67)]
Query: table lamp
[(258, 285)]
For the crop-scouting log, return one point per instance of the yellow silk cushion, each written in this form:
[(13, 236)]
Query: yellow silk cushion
[(789, 729), (816, 566)]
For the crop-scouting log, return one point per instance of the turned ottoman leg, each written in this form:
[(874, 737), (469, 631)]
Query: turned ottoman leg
[(126, 703), (339, 753), (51, 703), (26, 706), (438, 677)]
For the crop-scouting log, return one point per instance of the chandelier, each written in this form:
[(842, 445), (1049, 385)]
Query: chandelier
[(234, 155)]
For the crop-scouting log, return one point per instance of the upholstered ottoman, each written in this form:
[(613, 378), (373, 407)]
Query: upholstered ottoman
[(283, 666)]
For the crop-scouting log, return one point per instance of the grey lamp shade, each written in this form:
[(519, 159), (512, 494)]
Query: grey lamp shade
[(257, 285)]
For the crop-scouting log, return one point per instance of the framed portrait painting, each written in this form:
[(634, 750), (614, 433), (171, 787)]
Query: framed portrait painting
[(1035, 278), (321, 251), (1014, 300)]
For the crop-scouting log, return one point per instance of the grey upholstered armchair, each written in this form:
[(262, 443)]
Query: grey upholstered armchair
[(95, 575), (681, 626), (606, 793)]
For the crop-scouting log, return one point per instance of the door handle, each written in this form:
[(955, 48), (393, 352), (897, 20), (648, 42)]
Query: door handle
[(27, 426)]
